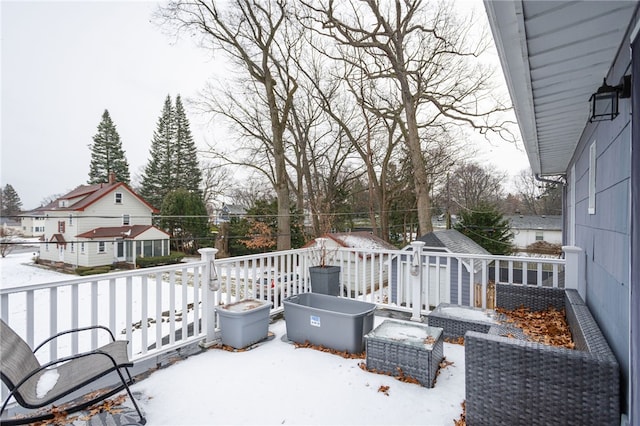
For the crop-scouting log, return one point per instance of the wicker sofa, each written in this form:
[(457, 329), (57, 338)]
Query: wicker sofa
[(517, 382)]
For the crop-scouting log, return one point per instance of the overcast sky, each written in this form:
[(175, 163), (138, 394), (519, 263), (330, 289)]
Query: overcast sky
[(64, 63)]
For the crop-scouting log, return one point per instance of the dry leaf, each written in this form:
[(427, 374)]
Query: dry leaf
[(548, 327), (462, 421), (343, 354)]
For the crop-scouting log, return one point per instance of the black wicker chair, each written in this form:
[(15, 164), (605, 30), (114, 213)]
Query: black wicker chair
[(20, 371)]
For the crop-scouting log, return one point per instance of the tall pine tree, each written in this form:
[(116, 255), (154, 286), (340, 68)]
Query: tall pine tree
[(107, 154), (10, 203), (188, 174), (156, 179), (173, 162)]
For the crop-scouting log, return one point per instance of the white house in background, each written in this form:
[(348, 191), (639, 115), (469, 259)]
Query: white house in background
[(32, 223), (357, 267), (530, 229), (101, 224)]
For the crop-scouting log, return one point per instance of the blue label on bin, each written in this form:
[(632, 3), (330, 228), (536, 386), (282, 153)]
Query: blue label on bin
[(315, 321)]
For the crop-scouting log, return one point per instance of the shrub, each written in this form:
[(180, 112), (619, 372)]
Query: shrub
[(92, 270), (147, 262)]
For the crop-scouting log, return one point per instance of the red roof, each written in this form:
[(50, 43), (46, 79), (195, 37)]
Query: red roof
[(58, 238), (91, 194)]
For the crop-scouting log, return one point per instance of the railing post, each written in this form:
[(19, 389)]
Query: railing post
[(210, 285), (574, 270), (416, 280)]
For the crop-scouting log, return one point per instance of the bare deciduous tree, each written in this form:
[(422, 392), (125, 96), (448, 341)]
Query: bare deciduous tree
[(216, 182), (254, 35), (471, 185), (8, 238), (420, 61), (538, 197)]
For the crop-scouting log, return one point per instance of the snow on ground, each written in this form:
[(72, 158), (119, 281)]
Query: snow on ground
[(277, 383), (17, 269)]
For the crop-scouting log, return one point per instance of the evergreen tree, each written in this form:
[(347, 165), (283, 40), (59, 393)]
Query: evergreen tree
[(10, 203), (185, 218), (174, 162), (187, 170), (107, 154), (485, 225), (157, 176)]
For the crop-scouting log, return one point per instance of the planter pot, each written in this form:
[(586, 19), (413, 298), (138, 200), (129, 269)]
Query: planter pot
[(325, 280), (244, 323), (333, 322)]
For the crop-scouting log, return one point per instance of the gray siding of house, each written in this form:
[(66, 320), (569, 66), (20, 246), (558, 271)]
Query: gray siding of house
[(605, 235), (635, 242)]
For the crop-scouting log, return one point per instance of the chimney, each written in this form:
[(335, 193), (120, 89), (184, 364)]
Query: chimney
[(112, 178)]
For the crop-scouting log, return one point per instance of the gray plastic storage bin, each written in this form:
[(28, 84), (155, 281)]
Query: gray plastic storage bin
[(329, 321), (244, 323)]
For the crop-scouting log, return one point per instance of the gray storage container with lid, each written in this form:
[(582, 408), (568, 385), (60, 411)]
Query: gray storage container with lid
[(333, 322)]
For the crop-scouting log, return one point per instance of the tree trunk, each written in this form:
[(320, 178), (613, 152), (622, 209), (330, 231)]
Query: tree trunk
[(282, 183)]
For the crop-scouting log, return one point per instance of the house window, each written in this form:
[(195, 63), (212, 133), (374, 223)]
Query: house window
[(70, 220), (61, 226), (72, 249), (592, 178), (46, 246), (118, 197), (82, 248), (101, 247), (126, 219), (539, 236)]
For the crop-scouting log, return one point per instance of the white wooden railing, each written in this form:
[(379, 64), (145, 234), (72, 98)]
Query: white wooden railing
[(162, 308)]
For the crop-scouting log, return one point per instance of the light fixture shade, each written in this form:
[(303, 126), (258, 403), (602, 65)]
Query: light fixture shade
[(604, 103), (604, 106)]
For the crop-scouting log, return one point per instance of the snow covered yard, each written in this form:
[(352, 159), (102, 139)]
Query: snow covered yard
[(277, 383)]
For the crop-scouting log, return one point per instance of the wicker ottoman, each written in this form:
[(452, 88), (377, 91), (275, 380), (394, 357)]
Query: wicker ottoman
[(456, 320), (399, 347)]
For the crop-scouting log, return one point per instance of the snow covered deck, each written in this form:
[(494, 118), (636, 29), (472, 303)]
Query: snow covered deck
[(277, 383)]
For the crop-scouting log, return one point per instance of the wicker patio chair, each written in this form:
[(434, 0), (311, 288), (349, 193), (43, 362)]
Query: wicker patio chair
[(21, 371)]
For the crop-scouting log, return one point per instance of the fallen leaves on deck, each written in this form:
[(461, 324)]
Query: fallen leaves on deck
[(60, 416), (548, 327), (455, 340), (343, 354), (384, 389), (462, 421), (401, 376)]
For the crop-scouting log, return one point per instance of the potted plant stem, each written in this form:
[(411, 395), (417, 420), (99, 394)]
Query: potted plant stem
[(325, 278)]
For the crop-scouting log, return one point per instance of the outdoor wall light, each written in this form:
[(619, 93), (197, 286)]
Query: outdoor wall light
[(604, 103)]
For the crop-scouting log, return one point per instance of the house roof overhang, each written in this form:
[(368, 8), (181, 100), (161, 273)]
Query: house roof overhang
[(554, 55), (58, 239)]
